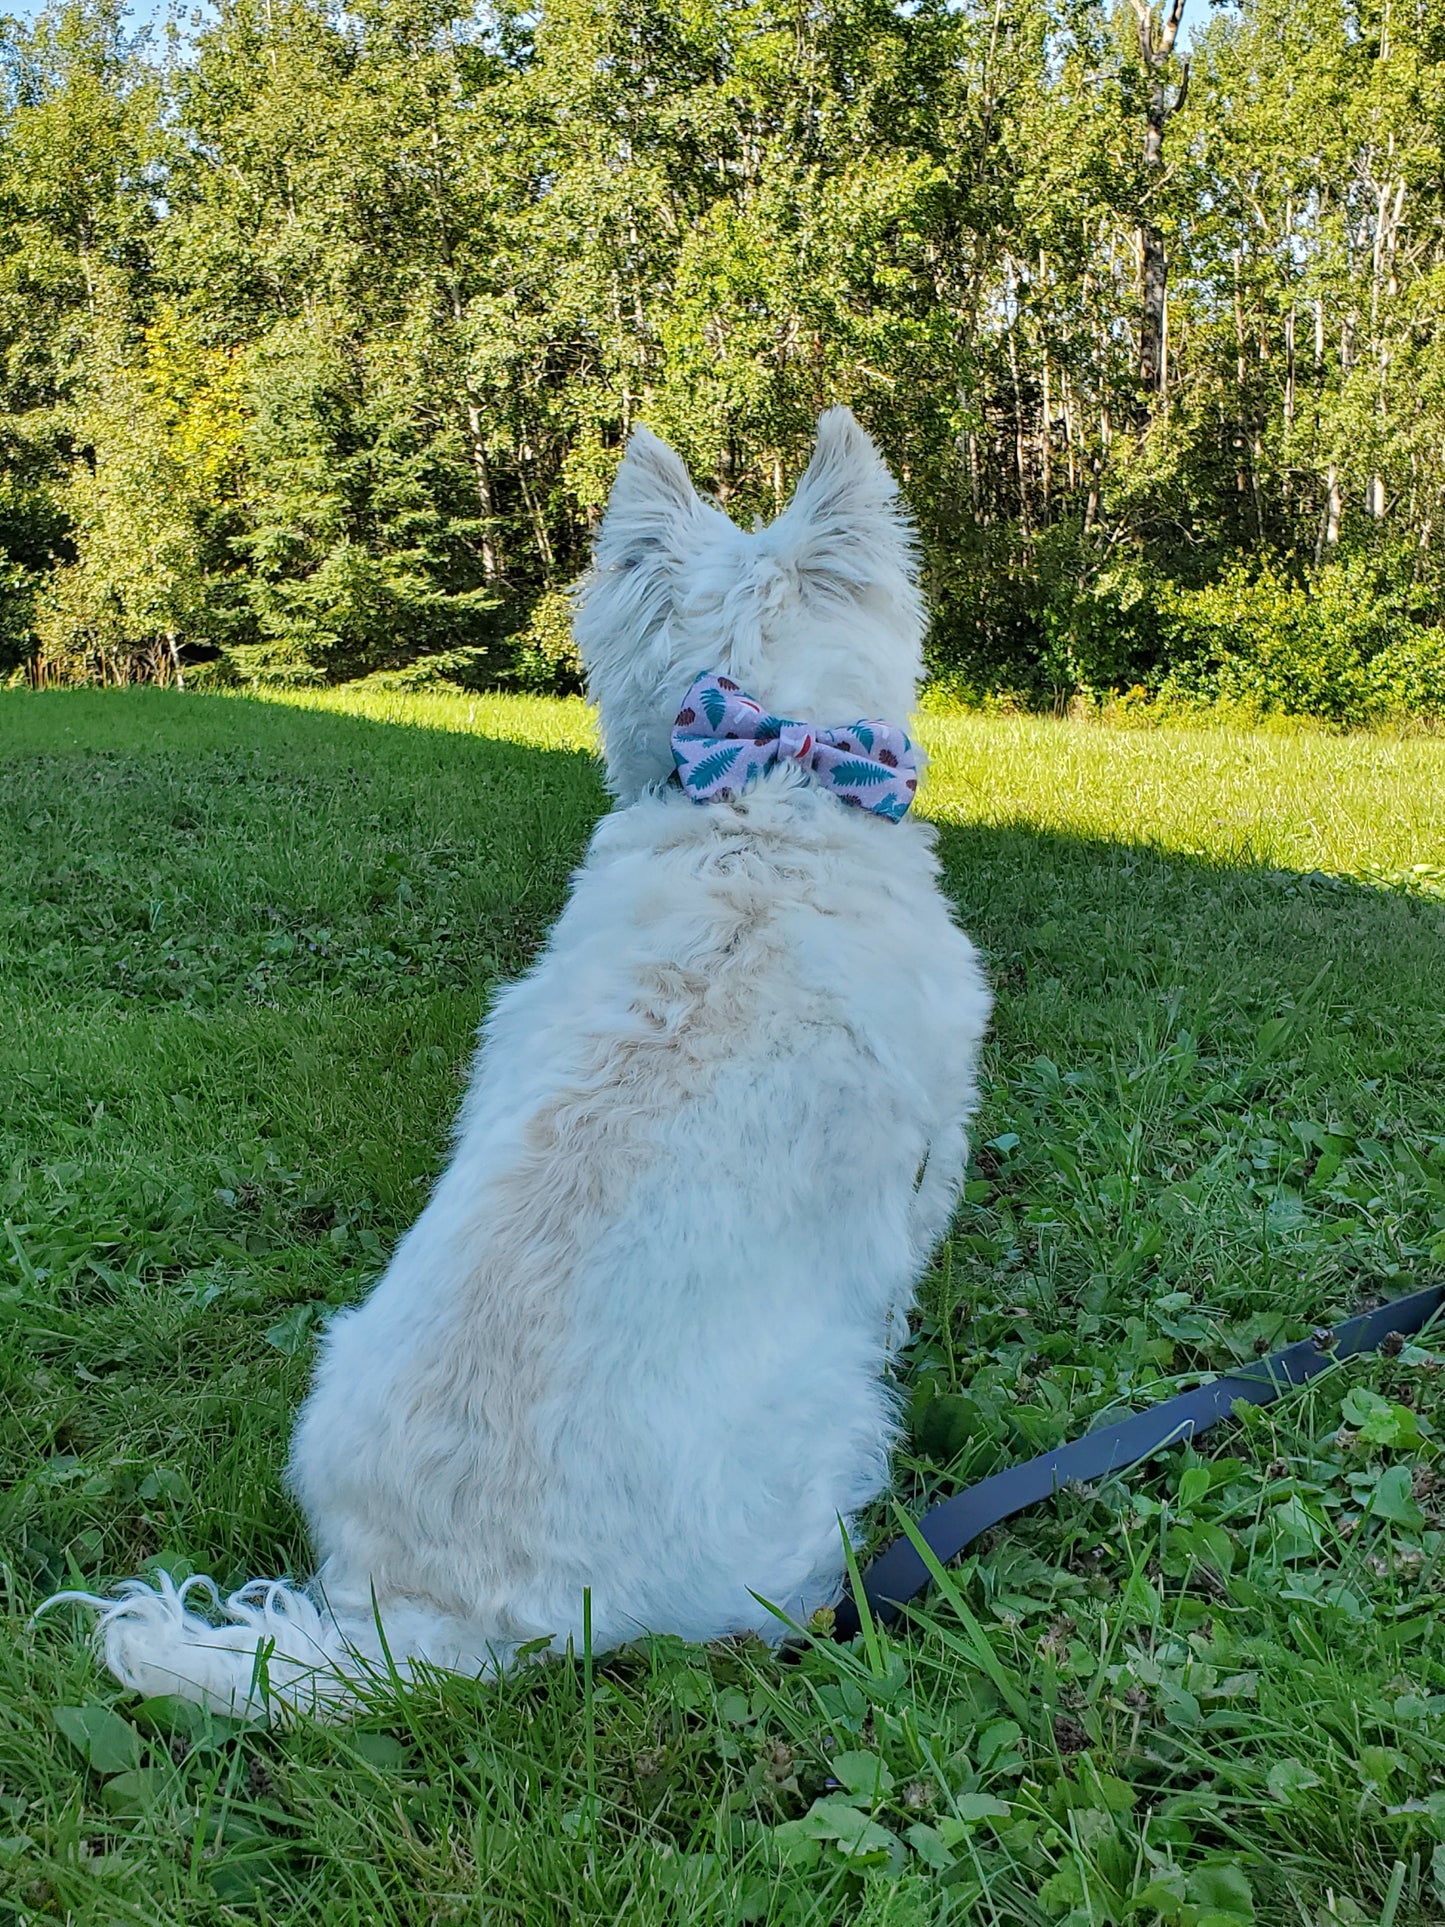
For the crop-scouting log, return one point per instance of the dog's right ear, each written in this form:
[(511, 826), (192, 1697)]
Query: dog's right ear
[(845, 533), (652, 511)]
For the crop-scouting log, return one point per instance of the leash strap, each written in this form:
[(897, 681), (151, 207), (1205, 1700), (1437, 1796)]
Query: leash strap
[(898, 1574)]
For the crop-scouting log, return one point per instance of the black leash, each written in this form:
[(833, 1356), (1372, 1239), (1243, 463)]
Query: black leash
[(898, 1574)]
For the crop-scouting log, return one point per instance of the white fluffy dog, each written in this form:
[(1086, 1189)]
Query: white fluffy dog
[(633, 1350)]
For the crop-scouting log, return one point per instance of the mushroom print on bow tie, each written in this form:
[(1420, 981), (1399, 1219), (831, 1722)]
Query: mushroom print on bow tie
[(722, 739)]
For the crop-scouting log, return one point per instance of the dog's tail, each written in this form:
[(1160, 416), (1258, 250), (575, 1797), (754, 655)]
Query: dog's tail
[(268, 1652)]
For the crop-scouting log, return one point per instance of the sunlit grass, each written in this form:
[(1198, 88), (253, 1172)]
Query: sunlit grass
[(1361, 805), (540, 722), (1352, 806)]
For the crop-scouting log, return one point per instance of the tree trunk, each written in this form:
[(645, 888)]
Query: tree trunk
[(1241, 480), (1070, 433), (538, 520), (1329, 533), (1020, 462), (1046, 440), (1156, 49), (481, 469), (1151, 322), (1289, 402), (1383, 285)]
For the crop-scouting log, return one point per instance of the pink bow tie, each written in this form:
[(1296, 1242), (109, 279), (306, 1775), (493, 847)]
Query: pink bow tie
[(722, 739)]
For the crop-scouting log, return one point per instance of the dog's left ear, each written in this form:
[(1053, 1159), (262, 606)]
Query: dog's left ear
[(653, 511), (653, 530), (845, 532)]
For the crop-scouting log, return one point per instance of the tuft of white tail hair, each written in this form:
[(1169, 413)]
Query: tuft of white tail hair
[(267, 1652)]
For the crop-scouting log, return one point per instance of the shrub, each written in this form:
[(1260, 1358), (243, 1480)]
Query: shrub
[(482, 667), (1408, 676), (545, 656), (1340, 646), (535, 654), (1048, 619)]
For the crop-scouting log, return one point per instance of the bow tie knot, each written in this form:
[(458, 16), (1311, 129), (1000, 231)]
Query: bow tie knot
[(722, 739)]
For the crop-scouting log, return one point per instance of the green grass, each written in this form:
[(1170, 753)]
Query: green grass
[(243, 948)]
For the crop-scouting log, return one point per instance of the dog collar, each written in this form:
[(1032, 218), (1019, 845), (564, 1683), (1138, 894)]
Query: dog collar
[(722, 739)]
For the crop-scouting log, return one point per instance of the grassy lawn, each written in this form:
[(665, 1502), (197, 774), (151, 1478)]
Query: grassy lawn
[(243, 948)]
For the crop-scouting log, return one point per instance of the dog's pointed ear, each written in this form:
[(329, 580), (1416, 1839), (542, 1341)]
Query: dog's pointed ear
[(845, 531), (652, 509), (653, 531)]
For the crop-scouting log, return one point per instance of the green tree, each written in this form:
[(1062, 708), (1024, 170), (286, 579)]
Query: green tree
[(78, 149), (162, 431)]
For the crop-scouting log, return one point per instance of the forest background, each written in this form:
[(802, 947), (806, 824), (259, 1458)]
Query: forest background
[(322, 328)]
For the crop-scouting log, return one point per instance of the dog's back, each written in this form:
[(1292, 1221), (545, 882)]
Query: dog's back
[(634, 1346), (634, 1342)]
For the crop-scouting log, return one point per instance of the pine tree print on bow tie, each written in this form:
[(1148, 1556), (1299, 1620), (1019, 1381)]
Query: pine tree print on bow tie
[(722, 740)]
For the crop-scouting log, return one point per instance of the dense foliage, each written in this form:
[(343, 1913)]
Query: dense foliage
[(321, 328)]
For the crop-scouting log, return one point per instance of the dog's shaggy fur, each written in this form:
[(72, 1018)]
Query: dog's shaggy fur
[(635, 1344)]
